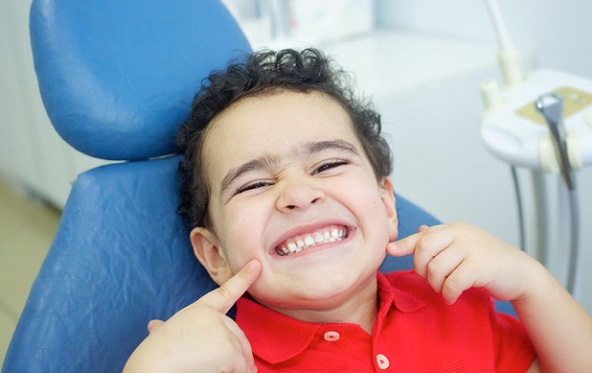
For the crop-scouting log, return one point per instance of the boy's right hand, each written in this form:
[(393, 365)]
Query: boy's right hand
[(200, 337)]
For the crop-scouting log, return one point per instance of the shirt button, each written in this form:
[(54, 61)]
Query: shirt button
[(331, 336), (383, 362)]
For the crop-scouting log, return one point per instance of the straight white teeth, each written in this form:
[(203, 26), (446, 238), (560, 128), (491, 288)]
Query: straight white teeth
[(296, 244)]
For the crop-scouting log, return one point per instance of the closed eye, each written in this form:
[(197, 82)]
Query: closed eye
[(328, 165), (253, 185)]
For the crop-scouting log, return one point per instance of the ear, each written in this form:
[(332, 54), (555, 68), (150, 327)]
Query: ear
[(209, 253), (387, 195)]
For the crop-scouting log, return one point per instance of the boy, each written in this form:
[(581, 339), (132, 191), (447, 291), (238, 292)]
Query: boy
[(285, 183)]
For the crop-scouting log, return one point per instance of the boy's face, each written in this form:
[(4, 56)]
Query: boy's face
[(287, 168)]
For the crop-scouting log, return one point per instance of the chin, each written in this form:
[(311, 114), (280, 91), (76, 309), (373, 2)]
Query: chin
[(318, 293)]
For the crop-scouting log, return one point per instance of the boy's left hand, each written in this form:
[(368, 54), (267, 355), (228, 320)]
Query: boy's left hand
[(455, 257)]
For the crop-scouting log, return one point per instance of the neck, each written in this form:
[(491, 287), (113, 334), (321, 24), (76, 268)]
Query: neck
[(360, 309)]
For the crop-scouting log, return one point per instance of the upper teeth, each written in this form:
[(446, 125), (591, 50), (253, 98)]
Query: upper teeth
[(296, 244)]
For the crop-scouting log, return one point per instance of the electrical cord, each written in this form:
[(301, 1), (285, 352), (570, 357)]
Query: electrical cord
[(574, 210), (519, 207), (575, 236), (509, 58)]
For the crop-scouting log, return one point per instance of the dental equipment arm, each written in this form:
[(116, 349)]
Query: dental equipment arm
[(550, 105)]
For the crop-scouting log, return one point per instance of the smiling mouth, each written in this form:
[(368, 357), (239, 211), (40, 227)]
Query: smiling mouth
[(332, 233)]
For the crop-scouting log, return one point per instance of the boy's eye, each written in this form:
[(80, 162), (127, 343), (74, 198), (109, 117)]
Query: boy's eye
[(254, 185), (330, 165)]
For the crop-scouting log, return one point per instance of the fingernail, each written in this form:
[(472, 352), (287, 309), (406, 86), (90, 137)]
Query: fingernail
[(450, 302)]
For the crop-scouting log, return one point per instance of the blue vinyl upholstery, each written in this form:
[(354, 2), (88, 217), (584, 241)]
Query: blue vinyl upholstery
[(118, 76)]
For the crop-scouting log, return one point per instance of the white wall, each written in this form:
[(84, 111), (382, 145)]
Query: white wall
[(556, 32)]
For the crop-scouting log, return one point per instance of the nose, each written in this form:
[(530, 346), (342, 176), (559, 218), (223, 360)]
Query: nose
[(298, 196)]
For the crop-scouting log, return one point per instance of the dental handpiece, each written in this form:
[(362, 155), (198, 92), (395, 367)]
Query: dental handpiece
[(550, 105)]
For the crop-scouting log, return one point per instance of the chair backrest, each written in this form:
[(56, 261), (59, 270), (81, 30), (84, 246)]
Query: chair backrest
[(117, 78), (121, 256)]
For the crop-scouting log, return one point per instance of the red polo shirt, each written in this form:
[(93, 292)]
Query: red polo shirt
[(415, 331)]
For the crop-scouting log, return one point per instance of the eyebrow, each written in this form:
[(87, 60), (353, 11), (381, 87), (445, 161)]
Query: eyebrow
[(271, 161)]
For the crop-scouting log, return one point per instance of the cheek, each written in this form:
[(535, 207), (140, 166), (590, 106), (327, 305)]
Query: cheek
[(368, 198), (242, 236), (375, 215)]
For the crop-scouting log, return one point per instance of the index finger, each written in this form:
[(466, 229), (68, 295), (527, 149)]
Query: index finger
[(224, 297), (404, 246)]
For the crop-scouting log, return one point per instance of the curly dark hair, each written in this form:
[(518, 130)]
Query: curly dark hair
[(265, 72)]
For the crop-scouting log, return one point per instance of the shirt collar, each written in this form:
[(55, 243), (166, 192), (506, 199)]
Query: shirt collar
[(395, 294), (276, 337)]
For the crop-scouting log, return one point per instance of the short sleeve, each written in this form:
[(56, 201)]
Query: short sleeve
[(514, 351)]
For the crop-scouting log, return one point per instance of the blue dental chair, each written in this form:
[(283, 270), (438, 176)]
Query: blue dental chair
[(117, 77)]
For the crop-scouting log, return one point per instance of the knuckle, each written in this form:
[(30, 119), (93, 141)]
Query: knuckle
[(453, 286), (422, 242), (431, 269), (224, 292), (435, 275), (434, 267), (231, 359)]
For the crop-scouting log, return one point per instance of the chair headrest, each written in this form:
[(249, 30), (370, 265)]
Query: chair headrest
[(117, 77)]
